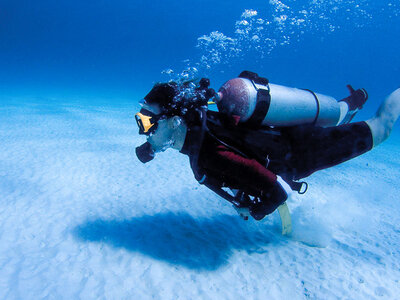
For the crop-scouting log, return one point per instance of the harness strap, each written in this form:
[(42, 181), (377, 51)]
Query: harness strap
[(263, 98), (318, 106), (261, 109), (254, 77)]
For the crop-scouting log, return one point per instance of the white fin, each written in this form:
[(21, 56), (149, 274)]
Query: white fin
[(286, 220)]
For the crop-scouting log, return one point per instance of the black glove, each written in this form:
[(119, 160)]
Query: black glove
[(270, 200), (356, 99)]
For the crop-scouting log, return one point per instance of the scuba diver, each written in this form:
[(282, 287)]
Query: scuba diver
[(264, 137)]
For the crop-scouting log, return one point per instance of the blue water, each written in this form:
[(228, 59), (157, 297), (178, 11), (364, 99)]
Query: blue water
[(82, 218), (117, 50)]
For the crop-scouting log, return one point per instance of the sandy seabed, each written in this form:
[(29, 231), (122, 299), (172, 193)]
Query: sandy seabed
[(82, 218)]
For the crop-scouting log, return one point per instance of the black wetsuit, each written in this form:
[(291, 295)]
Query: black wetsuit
[(248, 160), (223, 152)]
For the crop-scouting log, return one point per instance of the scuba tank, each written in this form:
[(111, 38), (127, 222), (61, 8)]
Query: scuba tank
[(257, 102)]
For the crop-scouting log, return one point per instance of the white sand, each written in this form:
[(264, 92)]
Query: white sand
[(82, 218)]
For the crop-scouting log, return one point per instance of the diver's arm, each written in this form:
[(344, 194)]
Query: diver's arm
[(249, 175), (249, 172)]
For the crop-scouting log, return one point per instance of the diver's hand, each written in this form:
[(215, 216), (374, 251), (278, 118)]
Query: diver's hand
[(271, 199)]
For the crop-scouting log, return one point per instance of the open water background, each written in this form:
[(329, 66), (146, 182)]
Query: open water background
[(113, 51)]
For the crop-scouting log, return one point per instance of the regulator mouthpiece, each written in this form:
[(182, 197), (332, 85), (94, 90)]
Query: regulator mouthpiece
[(145, 152)]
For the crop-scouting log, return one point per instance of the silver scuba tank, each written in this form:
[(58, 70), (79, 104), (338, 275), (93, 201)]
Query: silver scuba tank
[(276, 105)]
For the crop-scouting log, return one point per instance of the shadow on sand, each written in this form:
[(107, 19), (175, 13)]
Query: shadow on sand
[(195, 243)]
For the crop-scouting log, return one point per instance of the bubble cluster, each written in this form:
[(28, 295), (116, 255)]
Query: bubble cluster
[(283, 23), (217, 48), (187, 74)]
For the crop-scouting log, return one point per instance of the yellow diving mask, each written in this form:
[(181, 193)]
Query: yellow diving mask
[(147, 121)]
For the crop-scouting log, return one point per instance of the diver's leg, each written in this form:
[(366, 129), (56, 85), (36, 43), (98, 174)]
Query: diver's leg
[(317, 148), (382, 123)]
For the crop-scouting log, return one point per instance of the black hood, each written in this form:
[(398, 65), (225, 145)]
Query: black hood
[(162, 94)]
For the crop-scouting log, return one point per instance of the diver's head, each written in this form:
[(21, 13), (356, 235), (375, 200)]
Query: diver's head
[(166, 131), (163, 131), (166, 111)]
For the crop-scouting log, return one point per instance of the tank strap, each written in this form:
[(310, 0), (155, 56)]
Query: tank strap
[(262, 106), (318, 106), (254, 77), (263, 97)]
